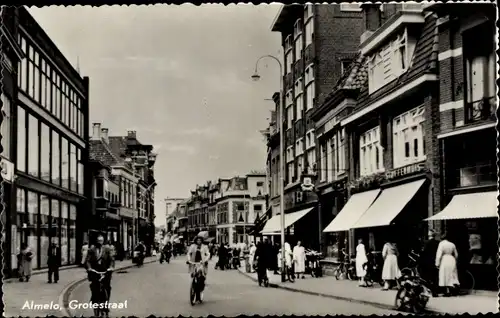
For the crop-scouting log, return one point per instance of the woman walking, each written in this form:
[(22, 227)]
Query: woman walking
[(361, 260), (446, 261), (25, 258), (390, 271), (299, 258), (251, 256)]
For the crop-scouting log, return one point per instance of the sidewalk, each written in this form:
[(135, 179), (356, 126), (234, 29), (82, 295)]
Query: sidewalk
[(37, 290), (480, 302)]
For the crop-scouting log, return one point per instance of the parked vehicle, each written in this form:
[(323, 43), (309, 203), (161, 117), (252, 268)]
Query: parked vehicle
[(413, 294), (347, 268), (313, 265)]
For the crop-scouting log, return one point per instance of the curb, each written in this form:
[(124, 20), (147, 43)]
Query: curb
[(39, 272), (352, 300), (64, 296)]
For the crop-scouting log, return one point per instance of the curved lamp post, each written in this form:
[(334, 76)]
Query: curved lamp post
[(256, 77)]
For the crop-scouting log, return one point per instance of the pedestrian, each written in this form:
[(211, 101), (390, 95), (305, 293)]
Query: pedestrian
[(54, 262), (277, 257), (25, 258), (85, 249), (251, 256), (222, 261), (446, 261), (428, 260), (361, 260), (390, 270), (288, 255), (299, 258)]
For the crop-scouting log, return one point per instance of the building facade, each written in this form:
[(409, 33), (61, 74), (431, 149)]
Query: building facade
[(45, 148), (402, 127), (319, 42), (227, 208)]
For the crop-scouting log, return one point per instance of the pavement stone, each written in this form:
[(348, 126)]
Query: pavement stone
[(479, 302), (16, 294)]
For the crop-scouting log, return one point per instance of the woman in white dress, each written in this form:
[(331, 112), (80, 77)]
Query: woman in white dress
[(252, 251), (299, 258), (446, 261), (361, 259), (390, 271)]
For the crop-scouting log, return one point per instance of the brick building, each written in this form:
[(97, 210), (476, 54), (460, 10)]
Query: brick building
[(227, 208), (402, 127), (45, 144), (319, 42)]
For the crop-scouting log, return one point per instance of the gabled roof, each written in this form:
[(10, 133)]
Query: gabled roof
[(100, 151)]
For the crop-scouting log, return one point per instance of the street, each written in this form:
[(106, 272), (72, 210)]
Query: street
[(163, 290)]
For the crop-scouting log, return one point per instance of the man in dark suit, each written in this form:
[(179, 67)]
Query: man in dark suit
[(54, 262), (100, 258), (428, 260)]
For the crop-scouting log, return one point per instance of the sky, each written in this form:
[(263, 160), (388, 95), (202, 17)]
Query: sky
[(179, 76)]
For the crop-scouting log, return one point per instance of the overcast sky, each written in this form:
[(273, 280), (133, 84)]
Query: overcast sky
[(180, 77)]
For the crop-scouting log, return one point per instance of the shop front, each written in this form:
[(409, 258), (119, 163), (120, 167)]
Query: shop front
[(471, 223)]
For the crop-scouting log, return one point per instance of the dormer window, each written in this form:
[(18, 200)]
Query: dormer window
[(297, 28), (390, 61)]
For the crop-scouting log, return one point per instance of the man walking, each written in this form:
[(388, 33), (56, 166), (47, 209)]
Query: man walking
[(54, 262), (427, 262)]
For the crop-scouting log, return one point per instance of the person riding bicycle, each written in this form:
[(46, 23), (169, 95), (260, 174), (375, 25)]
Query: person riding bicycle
[(99, 258), (198, 253)]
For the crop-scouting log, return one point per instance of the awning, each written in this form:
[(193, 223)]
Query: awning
[(469, 206), (388, 205), (355, 207), (273, 225)]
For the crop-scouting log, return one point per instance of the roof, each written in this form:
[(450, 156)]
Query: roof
[(100, 151), (424, 61)]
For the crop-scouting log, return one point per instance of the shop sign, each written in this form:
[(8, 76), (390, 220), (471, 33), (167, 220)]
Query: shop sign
[(7, 170), (307, 184)]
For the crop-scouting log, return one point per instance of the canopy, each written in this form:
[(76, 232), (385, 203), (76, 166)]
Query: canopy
[(469, 206), (388, 205), (273, 225), (352, 211)]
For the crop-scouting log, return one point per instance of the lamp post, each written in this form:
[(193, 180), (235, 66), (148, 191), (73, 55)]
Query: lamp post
[(256, 77)]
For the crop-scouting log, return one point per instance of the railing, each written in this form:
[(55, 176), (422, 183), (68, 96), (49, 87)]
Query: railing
[(480, 174), (483, 109)]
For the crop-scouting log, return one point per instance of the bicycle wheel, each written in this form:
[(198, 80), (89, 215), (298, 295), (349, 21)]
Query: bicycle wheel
[(192, 294), (400, 299), (338, 272), (467, 282)]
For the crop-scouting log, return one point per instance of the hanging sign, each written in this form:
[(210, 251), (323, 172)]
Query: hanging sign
[(7, 170), (307, 184)]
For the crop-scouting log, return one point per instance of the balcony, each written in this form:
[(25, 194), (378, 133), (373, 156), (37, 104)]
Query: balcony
[(481, 110)]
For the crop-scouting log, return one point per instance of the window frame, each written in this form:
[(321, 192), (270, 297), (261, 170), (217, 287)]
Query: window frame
[(403, 125), (365, 144)]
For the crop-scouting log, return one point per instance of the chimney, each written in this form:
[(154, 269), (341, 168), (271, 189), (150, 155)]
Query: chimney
[(372, 19), (104, 135), (131, 134), (96, 131)]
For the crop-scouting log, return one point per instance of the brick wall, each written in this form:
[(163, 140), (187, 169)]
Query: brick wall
[(336, 33)]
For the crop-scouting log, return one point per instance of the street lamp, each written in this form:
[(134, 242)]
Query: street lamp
[(256, 77)]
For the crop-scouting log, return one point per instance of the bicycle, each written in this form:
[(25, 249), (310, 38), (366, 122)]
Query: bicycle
[(345, 269), (102, 296), (467, 281), (289, 273), (197, 283), (412, 268)]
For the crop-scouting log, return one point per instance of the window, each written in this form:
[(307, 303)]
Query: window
[(289, 116), (64, 163), (299, 149), (389, 62), (310, 89), (370, 152), (344, 66), (289, 62), (298, 48), (21, 139), (297, 28), (308, 11), (45, 153), (310, 141), (324, 167), (300, 166), (350, 7), (408, 137), (291, 172), (23, 69), (100, 188), (289, 98), (6, 124), (288, 44), (309, 32), (73, 168), (56, 159), (481, 73), (300, 105), (33, 226), (33, 144), (311, 160)]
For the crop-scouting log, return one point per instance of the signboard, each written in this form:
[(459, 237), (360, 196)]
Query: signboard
[(7, 170), (307, 184)]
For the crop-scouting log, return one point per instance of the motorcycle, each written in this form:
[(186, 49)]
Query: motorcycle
[(313, 265), (413, 294)]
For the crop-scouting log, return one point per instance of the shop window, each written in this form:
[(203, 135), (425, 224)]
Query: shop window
[(32, 227), (56, 158), (64, 163), (45, 152)]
